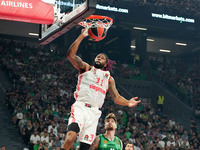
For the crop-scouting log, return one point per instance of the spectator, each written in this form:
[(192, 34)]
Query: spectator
[(128, 133), (172, 122), (17, 117), (3, 147), (22, 123), (161, 144), (171, 142), (57, 141), (193, 125), (185, 135), (34, 139), (160, 102), (27, 131), (132, 138), (53, 147), (149, 145), (50, 142), (45, 138), (185, 144), (129, 146), (53, 127)]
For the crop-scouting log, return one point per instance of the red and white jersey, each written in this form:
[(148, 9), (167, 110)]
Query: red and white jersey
[(92, 87)]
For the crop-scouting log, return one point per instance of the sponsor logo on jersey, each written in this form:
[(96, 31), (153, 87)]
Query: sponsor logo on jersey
[(86, 137), (106, 75), (105, 141), (96, 88)]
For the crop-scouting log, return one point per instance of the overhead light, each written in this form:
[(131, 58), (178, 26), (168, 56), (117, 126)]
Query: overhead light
[(138, 28), (181, 44), (165, 50), (132, 46), (150, 40), (33, 34)]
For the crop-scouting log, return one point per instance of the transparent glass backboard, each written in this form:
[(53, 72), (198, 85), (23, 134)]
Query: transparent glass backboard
[(67, 14)]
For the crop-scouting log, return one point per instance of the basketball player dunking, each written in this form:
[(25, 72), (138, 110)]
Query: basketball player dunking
[(93, 83)]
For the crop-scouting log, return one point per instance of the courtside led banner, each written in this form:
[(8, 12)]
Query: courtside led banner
[(32, 11)]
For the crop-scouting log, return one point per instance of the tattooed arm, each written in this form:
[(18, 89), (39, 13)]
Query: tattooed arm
[(95, 143), (73, 58), (118, 99)]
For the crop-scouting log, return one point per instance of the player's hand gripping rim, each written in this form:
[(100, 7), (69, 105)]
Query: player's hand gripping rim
[(84, 32)]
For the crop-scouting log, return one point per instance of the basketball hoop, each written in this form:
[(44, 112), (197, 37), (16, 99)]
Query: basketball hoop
[(94, 21)]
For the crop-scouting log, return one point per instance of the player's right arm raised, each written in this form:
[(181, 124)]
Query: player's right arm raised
[(73, 58)]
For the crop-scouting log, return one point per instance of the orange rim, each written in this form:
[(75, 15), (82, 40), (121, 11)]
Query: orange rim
[(99, 17)]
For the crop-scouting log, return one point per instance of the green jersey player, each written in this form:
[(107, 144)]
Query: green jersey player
[(108, 141)]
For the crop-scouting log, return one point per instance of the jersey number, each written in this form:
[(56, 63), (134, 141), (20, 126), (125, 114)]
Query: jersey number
[(101, 82), (92, 137)]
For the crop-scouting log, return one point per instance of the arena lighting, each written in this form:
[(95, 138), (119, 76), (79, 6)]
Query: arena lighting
[(165, 50), (139, 28), (150, 40), (181, 44), (33, 34), (132, 46)]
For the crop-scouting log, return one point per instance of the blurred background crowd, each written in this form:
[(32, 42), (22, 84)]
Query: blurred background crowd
[(41, 93)]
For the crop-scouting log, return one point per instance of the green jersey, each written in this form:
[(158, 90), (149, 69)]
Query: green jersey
[(105, 144)]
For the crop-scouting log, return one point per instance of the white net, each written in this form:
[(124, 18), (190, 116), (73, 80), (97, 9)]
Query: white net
[(97, 21)]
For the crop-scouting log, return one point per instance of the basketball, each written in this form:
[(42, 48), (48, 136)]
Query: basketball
[(97, 33)]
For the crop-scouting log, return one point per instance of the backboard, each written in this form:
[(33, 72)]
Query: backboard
[(67, 14)]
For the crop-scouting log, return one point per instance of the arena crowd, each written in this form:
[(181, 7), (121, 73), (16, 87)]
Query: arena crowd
[(41, 93)]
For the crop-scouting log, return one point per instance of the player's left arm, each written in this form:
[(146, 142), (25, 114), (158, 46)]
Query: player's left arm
[(95, 143), (118, 99)]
